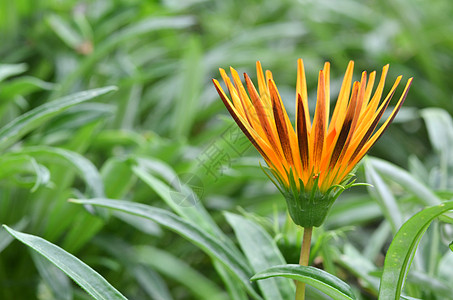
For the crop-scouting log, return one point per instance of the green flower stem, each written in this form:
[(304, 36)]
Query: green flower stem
[(303, 261)]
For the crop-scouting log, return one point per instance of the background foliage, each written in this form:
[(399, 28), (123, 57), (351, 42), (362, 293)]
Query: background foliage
[(164, 124)]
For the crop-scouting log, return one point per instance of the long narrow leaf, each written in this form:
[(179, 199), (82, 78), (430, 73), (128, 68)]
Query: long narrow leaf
[(7, 70), (93, 283), (5, 238), (178, 270), (152, 283), (262, 253), (55, 279), (84, 167), (130, 32), (232, 284), (23, 124), (187, 230), (195, 212), (402, 177), (402, 249), (385, 198), (317, 278)]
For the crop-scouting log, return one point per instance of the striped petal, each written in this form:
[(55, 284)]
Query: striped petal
[(319, 124), (321, 153)]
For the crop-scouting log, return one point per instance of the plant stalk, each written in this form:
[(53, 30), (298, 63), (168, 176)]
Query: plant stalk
[(303, 260)]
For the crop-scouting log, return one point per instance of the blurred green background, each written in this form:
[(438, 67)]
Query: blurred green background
[(166, 121)]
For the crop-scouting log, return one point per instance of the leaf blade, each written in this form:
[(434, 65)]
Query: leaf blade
[(91, 281), (84, 167), (384, 197), (262, 253), (186, 229), (405, 179), (323, 281), (399, 254), (23, 124)]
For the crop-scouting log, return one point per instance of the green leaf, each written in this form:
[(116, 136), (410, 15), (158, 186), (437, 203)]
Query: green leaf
[(377, 241), (402, 249), (179, 271), (440, 128), (7, 70), (384, 197), (117, 186), (144, 225), (23, 86), (112, 138), (317, 278), (93, 283), (192, 85), (439, 124), (5, 238), (186, 229), (360, 266), (232, 284), (64, 31), (444, 270), (192, 211), (23, 170), (409, 298), (122, 253), (151, 282), (179, 188), (25, 123), (353, 210), (430, 283), (54, 278), (405, 179), (120, 37), (85, 168), (262, 253)]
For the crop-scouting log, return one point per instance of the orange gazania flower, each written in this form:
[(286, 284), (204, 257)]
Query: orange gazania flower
[(315, 155)]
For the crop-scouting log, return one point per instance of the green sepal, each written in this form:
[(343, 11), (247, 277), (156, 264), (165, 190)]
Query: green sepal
[(308, 207)]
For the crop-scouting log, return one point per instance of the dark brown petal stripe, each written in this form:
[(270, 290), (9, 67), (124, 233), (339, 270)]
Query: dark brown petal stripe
[(280, 123), (302, 134)]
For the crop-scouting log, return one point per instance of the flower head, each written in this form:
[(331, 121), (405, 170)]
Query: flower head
[(313, 160)]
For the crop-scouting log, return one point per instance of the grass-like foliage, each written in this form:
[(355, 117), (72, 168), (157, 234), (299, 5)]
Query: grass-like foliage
[(110, 103)]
